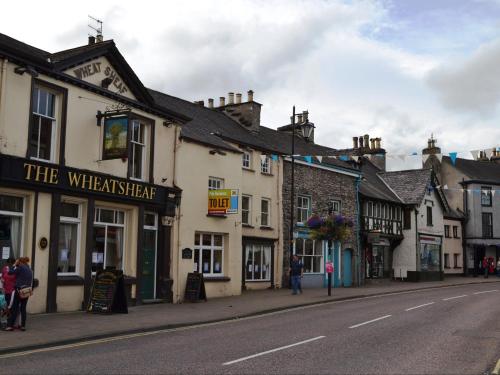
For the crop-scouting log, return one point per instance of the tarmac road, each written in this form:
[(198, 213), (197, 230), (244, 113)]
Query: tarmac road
[(440, 331)]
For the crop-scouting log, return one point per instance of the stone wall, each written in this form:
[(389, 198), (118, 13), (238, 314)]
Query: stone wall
[(322, 186)]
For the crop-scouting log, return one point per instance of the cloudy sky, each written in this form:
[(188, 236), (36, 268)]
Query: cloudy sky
[(399, 69)]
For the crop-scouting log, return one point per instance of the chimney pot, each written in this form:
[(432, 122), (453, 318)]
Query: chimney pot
[(222, 100), (361, 139), (378, 144), (230, 98), (372, 143), (250, 95), (210, 103), (91, 40), (99, 38), (367, 141), (305, 116), (238, 98), (354, 142), (299, 118)]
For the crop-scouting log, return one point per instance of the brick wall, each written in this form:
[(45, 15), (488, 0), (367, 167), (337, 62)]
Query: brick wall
[(322, 186)]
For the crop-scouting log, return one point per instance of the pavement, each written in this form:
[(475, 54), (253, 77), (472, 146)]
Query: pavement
[(44, 330)]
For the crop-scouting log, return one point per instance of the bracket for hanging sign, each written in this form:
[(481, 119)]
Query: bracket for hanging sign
[(111, 113)]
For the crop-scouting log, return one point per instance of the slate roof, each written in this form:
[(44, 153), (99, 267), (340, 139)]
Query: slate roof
[(373, 186), (485, 171), (454, 214), (410, 185), (213, 127)]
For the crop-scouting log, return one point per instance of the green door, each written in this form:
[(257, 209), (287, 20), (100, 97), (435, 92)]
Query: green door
[(148, 265)]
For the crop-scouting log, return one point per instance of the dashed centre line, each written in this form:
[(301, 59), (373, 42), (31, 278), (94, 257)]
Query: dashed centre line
[(449, 298), (487, 291), (419, 306), (370, 321)]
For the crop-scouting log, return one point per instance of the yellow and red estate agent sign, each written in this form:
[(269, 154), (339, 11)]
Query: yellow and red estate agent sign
[(222, 202)]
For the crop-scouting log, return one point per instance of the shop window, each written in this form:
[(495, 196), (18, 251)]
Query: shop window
[(215, 183), (265, 164), (455, 231), (246, 159), (487, 220), (68, 257), (257, 262), (11, 226), (429, 216), (265, 205), (334, 207), (485, 196), (138, 155), (246, 213), (447, 231), (44, 122), (311, 253), (303, 208), (208, 254), (429, 257), (446, 260), (109, 230)]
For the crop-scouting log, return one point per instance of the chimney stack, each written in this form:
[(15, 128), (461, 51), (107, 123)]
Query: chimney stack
[(99, 38), (201, 103), (367, 141), (354, 142), (210, 103), (238, 98), (250, 95), (91, 40), (299, 118), (305, 116), (222, 101), (230, 98)]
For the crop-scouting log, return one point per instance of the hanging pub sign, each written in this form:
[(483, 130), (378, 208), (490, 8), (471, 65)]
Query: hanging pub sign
[(222, 201), (115, 138)]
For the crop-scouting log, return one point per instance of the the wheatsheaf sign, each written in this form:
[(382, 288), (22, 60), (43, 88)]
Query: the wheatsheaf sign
[(91, 69), (88, 182)]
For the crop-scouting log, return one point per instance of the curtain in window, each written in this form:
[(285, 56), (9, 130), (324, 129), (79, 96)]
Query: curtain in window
[(15, 236)]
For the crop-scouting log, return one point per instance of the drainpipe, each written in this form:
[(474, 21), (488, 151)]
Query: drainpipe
[(465, 268), (3, 79), (177, 247), (416, 246), (358, 241)]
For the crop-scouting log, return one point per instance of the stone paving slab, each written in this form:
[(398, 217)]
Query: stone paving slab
[(59, 328)]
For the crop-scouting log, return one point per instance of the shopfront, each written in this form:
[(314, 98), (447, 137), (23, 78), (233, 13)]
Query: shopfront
[(258, 266), (378, 262), (73, 222), (429, 264)]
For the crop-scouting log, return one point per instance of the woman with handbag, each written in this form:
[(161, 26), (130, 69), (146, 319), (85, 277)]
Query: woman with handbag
[(23, 290)]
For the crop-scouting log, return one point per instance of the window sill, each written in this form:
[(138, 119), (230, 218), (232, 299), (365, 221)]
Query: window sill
[(220, 279), (258, 281), (248, 169), (265, 227), (217, 216), (266, 174), (447, 268), (70, 280), (247, 225)]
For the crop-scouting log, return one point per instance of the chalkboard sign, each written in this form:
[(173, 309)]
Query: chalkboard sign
[(195, 287), (108, 293)]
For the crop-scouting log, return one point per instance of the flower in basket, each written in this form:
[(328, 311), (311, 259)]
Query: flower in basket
[(314, 222), (331, 227)]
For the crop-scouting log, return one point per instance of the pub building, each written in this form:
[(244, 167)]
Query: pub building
[(86, 173)]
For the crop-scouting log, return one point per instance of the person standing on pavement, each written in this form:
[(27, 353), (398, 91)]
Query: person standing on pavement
[(9, 281), (24, 279), (485, 267), (296, 272), (491, 265)]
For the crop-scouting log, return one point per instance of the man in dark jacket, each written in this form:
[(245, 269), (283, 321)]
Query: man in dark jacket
[(296, 272)]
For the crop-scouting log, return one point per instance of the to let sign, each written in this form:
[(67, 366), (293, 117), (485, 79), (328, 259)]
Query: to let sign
[(222, 201)]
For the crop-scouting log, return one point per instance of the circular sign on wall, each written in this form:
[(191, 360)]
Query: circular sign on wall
[(43, 243)]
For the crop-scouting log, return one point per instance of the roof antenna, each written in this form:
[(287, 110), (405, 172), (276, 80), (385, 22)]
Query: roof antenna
[(95, 25)]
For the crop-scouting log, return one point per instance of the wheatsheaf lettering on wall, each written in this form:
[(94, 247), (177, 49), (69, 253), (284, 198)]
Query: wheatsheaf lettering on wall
[(85, 182), (91, 69)]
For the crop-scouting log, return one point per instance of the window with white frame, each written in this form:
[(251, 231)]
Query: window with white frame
[(215, 183), (109, 231), (138, 149), (68, 257), (265, 164), (265, 205), (246, 159), (311, 253), (43, 129), (257, 262), (334, 207), (11, 226), (208, 253), (246, 209), (486, 196), (303, 208)]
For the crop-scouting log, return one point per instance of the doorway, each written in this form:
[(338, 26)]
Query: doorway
[(149, 256), (347, 268)]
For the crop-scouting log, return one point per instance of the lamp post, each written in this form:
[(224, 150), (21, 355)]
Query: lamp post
[(306, 129)]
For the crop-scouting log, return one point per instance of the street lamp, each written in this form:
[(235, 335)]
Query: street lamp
[(306, 129)]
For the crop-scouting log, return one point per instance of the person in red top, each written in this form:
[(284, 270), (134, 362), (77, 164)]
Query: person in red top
[(491, 262), (9, 281), (485, 267)]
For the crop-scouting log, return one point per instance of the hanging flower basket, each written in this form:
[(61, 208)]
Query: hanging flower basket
[(331, 228)]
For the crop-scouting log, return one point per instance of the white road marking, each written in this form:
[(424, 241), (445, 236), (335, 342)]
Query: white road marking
[(272, 350), (487, 291), (416, 307), (370, 321), (447, 299), (497, 368)]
